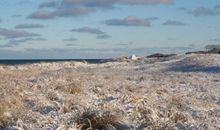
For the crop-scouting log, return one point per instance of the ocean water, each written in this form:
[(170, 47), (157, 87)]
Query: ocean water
[(31, 61)]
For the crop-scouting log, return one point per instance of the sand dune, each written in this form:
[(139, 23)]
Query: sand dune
[(179, 92)]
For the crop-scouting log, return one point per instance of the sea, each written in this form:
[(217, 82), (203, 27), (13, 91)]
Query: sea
[(32, 61)]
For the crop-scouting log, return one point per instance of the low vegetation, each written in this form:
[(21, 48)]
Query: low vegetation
[(97, 120), (111, 96)]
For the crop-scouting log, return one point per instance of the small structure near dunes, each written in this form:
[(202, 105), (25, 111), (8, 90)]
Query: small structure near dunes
[(134, 57), (125, 58)]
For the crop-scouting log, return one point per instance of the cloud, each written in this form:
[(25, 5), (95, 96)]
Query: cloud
[(51, 4), (43, 15), (70, 44), (8, 34), (103, 36), (170, 39), (37, 39), (108, 2), (215, 40), (16, 42), (174, 23), (182, 9), (128, 21), (203, 11), (100, 34), (217, 7), (29, 26), (152, 18), (125, 44), (10, 45), (88, 30), (0, 20), (23, 2), (102, 3), (16, 15), (140, 2), (66, 12), (72, 12), (75, 8), (70, 39)]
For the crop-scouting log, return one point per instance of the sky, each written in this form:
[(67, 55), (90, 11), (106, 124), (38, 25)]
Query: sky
[(86, 29)]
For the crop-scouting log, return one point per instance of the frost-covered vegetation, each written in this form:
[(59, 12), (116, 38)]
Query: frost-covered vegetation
[(178, 92)]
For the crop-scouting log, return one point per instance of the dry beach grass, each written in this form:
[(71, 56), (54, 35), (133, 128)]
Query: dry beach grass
[(179, 92)]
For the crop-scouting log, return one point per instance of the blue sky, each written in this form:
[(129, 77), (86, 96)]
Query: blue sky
[(36, 29)]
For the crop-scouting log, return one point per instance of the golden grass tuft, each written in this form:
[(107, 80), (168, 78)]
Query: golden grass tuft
[(72, 89), (11, 108), (5, 117), (53, 96), (3, 109), (178, 117), (91, 120), (177, 102)]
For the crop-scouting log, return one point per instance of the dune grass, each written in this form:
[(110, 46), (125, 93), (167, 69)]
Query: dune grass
[(94, 120)]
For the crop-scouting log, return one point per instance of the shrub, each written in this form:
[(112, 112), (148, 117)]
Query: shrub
[(73, 89), (5, 118), (2, 116), (10, 110), (92, 120)]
